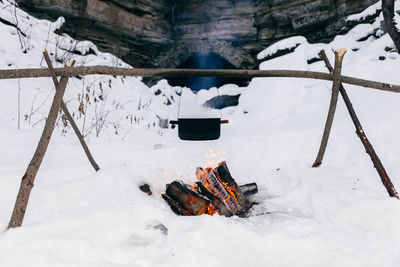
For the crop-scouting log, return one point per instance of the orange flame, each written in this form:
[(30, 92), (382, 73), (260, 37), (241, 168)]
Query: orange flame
[(212, 158), (211, 210), (229, 189), (211, 184)]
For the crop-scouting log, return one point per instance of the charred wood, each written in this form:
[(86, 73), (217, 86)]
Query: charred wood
[(217, 203), (210, 180), (175, 206), (230, 184), (249, 189), (185, 200), (215, 192)]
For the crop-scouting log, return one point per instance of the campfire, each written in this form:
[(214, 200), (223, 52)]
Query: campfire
[(215, 192)]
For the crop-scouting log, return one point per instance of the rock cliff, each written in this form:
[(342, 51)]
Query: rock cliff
[(165, 33)]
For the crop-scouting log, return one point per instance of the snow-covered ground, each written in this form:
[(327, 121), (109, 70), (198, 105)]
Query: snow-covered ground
[(335, 215)]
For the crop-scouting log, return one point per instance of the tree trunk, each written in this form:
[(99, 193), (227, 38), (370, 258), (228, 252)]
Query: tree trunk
[(28, 179), (388, 16)]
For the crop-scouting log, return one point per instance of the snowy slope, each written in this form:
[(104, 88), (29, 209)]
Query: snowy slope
[(335, 215)]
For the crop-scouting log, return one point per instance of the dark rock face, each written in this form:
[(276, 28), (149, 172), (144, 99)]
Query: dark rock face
[(205, 61), (222, 101), (165, 33)]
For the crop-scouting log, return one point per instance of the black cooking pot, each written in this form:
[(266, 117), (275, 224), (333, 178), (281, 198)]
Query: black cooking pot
[(199, 129)]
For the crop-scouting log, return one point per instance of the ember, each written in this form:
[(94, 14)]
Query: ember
[(215, 192)]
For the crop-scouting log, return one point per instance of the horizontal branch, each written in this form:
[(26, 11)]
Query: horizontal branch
[(104, 70)]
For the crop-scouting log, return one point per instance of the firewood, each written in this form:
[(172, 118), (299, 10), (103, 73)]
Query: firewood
[(190, 203), (232, 187), (215, 192), (175, 206), (249, 189), (217, 203), (210, 180)]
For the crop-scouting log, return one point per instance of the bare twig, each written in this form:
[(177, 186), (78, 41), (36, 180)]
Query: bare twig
[(27, 73), (16, 24), (339, 54), (363, 137), (33, 111), (29, 177), (100, 119), (19, 105), (39, 120), (69, 116), (47, 42)]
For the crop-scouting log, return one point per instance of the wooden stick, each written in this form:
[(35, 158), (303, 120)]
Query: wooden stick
[(69, 116), (104, 70), (339, 54), (363, 137), (29, 177)]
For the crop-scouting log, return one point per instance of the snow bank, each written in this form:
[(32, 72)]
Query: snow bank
[(371, 10), (285, 44)]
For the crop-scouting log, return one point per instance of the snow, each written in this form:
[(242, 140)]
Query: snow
[(371, 10), (338, 214), (288, 43)]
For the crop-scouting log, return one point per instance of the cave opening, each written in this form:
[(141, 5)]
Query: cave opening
[(205, 61)]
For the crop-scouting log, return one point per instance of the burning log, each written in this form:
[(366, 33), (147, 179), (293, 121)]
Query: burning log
[(230, 184), (185, 201), (215, 192), (214, 185)]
